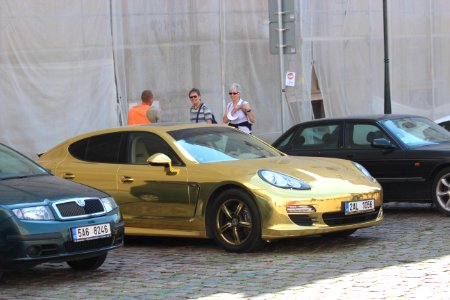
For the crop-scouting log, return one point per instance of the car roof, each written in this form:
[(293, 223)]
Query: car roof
[(372, 117), (156, 127), (442, 119)]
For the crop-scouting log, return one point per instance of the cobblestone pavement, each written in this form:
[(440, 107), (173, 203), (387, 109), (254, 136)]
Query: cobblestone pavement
[(406, 257)]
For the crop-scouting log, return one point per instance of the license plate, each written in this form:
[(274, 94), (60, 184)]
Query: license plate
[(91, 232), (353, 207)]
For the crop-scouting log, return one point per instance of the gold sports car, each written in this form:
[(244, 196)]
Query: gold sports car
[(214, 181)]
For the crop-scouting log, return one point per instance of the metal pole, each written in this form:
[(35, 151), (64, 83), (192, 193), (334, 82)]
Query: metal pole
[(387, 88), (281, 57)]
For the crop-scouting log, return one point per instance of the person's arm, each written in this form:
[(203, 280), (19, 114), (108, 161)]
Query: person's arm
[(207, 113), (225, 117), (248, 111), (251, 116)]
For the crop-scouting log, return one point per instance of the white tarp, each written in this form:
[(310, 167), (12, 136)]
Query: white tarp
[(57, 71), (348, 55), (71, 66)]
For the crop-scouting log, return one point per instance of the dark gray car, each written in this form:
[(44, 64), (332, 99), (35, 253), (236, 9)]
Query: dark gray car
[(44, 218)]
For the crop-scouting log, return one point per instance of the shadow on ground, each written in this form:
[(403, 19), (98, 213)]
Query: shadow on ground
[(158, 267)]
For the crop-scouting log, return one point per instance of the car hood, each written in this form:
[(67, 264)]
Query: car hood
[(434, 147), (312, 170), (39, 188)]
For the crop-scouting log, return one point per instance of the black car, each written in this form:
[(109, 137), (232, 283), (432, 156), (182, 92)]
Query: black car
[(444, 122), (44, 218), (408, 155)]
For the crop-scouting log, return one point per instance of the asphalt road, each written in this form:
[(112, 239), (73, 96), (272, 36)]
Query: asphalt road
[(406, 257)]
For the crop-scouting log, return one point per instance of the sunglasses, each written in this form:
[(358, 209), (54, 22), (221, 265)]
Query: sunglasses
[(232, 93), (193, 96)]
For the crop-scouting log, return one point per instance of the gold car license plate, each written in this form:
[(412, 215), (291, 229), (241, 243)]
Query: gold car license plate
[(91, 232), (353, 207)]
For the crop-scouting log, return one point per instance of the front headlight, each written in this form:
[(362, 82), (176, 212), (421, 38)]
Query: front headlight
[(109, 204), (282, 180), (364, 171), (38, 213)]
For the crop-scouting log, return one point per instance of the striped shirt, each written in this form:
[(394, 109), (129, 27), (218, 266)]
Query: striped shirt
[(204, 114)]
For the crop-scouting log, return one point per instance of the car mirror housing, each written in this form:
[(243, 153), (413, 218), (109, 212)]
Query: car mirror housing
[(160, 159), (383, 143)]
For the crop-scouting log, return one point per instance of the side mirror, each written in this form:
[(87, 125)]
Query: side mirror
[(160, 159), (383, 143)]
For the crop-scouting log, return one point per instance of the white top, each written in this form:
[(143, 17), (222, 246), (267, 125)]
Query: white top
[(239, 116)]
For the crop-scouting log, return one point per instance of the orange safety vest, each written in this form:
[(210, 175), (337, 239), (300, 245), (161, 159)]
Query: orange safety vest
[(138, 114)]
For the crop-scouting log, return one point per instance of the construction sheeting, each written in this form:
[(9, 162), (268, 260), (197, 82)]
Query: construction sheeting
[(72, 66)]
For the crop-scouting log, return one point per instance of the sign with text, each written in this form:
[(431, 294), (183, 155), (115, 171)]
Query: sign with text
[(290, 79)]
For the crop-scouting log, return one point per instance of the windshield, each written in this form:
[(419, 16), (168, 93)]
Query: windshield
[(15, 165), (213, 144), (416, 131)]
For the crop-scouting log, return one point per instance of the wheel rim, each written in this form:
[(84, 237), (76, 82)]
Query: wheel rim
[(443, 192), (234, 222)]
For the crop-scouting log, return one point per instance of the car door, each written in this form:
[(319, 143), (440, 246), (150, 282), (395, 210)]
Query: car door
[(94, 162), (151, 196), (389, 166)]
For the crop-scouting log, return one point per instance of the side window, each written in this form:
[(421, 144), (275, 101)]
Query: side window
[(78, 149), (313, 137), (360, 136), (103, 148), (446, 125), (141, 145), (321, 136), (288, 143)]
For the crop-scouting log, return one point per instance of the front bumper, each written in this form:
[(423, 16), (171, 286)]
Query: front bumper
[(295, 230), (24, 244), (327, 216)]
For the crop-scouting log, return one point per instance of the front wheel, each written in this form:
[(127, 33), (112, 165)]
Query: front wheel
[(87, 264), (235, 222), (441, 191)]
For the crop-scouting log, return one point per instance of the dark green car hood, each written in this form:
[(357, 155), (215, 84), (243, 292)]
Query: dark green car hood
[(40, 188)]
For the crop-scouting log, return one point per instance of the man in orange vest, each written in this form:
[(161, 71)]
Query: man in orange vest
[(144, 113)]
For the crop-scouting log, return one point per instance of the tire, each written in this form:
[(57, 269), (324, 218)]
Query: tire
[(441, 191), (88, 264), (234, 222), (339, 234)]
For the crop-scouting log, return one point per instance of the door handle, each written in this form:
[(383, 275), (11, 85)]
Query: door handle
[(69, 176), (126, 179)]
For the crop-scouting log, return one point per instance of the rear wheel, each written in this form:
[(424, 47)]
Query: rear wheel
[(87, 264), (234, 221), (441, 191)]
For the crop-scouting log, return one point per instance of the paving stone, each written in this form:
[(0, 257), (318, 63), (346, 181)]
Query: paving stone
[(406, 257)]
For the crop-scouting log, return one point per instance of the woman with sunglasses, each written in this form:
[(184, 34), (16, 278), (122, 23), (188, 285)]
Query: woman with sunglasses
[(238, 113)]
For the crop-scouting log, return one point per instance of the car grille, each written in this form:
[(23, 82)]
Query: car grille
[(80, 207), (88, 245), (50, 249), (301, 220), (339, 218)]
